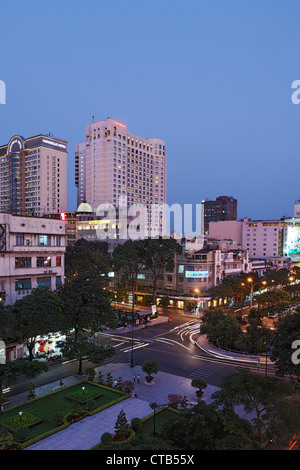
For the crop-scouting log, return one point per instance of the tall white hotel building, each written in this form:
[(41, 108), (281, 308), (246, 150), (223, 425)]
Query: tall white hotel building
[(112, 164)]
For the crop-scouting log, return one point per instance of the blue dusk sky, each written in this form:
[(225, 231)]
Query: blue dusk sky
[(212, 78)]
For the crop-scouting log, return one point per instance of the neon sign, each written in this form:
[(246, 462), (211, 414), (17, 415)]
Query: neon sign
[(120, 124), (197, 274), (16, 140)]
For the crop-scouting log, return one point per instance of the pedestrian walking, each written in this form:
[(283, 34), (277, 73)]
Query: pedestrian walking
[(134, 377), (115, 383), (138, 378), (61, 384)]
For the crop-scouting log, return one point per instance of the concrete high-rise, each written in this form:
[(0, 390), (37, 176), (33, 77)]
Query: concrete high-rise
[(33, 176), (223, 208), (114, 165)]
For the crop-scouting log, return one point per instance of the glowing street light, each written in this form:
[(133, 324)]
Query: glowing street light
[(251, 287)]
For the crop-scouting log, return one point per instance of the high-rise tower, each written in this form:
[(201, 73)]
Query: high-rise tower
[(112, 164), (33, 176)]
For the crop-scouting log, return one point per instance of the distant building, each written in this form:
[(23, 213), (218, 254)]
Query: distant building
[(112, 164), (94, 227), (223, 208), (33, 176), (31, 255)]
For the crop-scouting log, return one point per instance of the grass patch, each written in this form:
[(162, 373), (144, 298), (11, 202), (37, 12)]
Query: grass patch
[(161, 418), (17, 422), (83, 396)]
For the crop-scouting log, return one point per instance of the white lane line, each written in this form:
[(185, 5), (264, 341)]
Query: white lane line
[(168, 341), (135, 347)]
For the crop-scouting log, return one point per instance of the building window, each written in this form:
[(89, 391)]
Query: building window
[(22, 284), (58, 281), (58, 260), (22, 262), (20, 239), (43, 262), (44, 240), (44, 282)]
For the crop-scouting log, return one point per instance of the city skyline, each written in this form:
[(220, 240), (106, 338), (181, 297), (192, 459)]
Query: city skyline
[(213, 81)]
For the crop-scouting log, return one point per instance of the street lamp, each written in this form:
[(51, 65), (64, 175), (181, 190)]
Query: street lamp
[(131, 355), (251, 287), (197, 309), (153, 406)]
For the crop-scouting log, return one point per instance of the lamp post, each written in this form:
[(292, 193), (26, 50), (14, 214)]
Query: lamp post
[(251, 287), (153, 406), (197, 309), (131, 355)]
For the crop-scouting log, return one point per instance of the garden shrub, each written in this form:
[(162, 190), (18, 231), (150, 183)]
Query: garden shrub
[(106, 438)]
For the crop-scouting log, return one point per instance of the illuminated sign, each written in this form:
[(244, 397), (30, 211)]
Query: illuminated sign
[(120, 124), (63, 216), (293, 240), (15, 141), (55, 144), (196, 274)]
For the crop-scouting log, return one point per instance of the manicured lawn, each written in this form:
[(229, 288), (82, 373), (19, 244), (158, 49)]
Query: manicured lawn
[(146, 432), (161, 418), (45, 408)]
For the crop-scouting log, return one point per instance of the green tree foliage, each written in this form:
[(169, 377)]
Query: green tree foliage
[(86, 257), (36, 314), (288, 331), (79, 348), (221, 329), (204, 427), (256, 338), (164, 301), (159, 256), (121, 425), (150, 367), (12, 371), (128, 258), (86, 304), (258, 394), (272, 299)]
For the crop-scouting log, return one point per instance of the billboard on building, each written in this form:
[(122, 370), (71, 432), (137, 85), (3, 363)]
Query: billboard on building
[(292, 241), (196, 274)]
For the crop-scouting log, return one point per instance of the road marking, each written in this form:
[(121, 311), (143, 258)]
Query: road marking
[(172, 341), (135, 347)]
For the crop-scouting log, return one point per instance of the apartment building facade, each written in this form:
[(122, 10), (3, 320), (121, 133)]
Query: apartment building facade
[(31, 255), (33, 176), (223, 208), (115, 166)]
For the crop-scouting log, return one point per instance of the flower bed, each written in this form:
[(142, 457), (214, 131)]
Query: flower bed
[(83, 397), (26, 420)]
